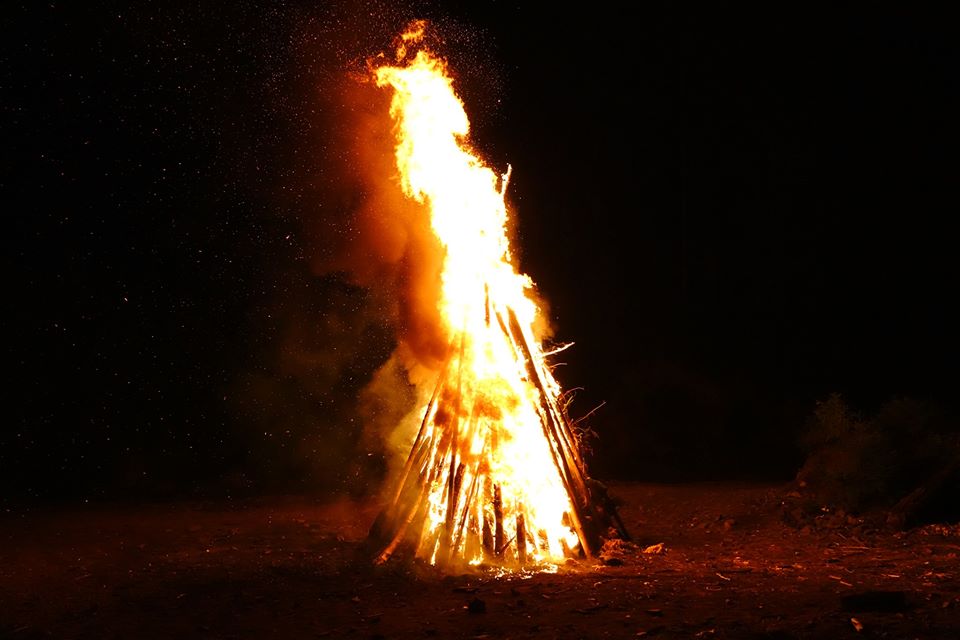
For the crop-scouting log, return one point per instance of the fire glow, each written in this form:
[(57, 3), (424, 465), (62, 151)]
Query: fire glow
[(494, 473)]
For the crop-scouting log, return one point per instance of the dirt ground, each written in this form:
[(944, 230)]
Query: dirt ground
[(729, 567)]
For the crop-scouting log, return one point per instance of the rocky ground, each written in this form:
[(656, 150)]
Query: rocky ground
[(707, 561)]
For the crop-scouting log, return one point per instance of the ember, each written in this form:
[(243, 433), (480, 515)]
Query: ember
[(494, 473)]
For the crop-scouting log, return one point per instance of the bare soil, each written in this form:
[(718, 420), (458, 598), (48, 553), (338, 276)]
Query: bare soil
[(707, 561)]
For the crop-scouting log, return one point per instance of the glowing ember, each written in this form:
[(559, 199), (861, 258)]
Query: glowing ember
[(494, 473)]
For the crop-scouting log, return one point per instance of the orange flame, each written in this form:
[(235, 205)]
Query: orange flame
[(489, 464)]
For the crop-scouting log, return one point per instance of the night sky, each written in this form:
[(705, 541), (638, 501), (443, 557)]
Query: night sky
[(732, 214)]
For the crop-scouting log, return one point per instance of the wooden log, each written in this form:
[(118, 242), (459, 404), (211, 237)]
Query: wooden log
[(518, 344), (426, 532), (402, 528), (393, 518), (604, 505), (585, 518), (392, 515), (521, 539), (423, 425), (471, 496), (486, 305), (429, 543), (566, 433), (487, 538), (559, 430), (417, 511), (497, 521), (506, 545), (447, 545), (570, 473), (452, 486), (471, 538)]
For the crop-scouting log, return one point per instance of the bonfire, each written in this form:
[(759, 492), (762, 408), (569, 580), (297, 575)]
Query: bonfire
[(495, 474)]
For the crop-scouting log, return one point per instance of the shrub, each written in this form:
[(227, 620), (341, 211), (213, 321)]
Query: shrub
[(862, 464)]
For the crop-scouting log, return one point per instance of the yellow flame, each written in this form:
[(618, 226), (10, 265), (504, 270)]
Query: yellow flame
[(490, 409)]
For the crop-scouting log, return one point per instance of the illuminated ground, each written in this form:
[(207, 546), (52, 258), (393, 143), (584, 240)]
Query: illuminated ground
[(293, 568)]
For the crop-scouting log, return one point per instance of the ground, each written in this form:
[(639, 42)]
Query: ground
[(729, 566)]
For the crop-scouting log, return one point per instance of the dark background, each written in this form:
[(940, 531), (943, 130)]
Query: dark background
[(731, 213)]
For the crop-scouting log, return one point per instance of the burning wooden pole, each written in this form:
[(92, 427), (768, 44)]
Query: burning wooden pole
[(521, 540), (497, 521)]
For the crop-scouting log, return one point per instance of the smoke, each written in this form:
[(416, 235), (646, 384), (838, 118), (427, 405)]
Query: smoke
[(392, 252), (392, 248), (357, 323), (351, 330)]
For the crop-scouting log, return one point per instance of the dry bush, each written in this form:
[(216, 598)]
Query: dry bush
[(858, 465)]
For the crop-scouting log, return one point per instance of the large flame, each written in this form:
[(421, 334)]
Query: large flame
[(490, 470)]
